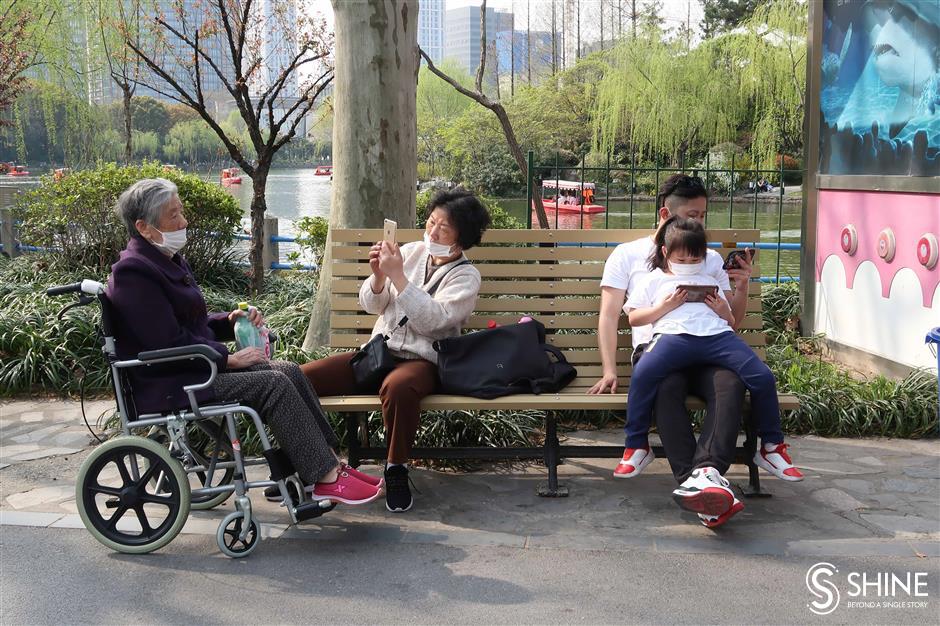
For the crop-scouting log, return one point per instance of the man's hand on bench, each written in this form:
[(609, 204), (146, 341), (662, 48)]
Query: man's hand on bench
[(607, 384)]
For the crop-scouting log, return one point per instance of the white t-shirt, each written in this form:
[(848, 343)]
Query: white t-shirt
[(690, 318), (629, 262)]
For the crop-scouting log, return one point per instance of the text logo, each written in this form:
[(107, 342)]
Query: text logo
[(823, 589)]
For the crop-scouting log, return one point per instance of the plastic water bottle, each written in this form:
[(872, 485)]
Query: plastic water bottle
[(247, 335)]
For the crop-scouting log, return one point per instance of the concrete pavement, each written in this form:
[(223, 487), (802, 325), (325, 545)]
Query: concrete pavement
[(871, 503)]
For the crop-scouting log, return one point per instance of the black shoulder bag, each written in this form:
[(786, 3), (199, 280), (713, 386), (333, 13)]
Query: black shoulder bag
[(501, 361)]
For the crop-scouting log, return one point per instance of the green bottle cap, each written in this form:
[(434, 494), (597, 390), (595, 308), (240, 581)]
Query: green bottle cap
[(243, 306)]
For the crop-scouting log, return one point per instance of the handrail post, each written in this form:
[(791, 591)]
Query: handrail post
[(528, 189), (8, 233), (270, 253)]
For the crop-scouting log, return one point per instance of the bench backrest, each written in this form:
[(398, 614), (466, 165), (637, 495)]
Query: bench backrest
[(551, 275)]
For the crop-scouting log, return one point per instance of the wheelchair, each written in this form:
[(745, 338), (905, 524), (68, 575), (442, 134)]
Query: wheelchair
[(134, 492)]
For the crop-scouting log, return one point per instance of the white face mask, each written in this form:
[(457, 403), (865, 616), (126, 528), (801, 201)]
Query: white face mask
[(173, 241), (686, 269), (437, 249)]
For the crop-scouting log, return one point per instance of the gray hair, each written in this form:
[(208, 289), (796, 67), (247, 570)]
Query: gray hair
[(144, 200)]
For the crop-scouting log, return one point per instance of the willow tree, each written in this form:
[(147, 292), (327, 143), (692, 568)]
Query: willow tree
[(374, 128), (666, 99), (251, 54)]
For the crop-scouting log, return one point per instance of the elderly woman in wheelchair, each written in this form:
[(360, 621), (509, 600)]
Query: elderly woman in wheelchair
[(172, 374)]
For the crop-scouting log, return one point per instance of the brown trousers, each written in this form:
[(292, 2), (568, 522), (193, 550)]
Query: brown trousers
[(401, 394)]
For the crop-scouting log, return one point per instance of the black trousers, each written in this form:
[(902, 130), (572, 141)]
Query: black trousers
[(723, 394)]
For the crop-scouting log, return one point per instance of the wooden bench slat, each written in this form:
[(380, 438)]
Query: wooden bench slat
[(549, 401), (522, 305), (612, 236), (350, 320)]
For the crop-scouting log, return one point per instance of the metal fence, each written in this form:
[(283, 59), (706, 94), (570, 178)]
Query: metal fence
[(736, 200)]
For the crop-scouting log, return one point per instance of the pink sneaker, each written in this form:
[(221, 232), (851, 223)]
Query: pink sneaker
[(368, 479), (775, 459), (633, 463), (345, 489)]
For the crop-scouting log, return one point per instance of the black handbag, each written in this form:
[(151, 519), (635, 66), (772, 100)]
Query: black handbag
[(502, 361), (373, 361)]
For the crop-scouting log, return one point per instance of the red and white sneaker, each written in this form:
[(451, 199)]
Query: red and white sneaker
[(706, 492), (633, 463), (368, 479), (774, 458), (345, 489), (714, 521)]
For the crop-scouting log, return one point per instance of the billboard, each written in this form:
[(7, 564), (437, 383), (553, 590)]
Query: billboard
[(880, 92)]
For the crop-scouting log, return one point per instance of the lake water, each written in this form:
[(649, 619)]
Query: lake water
[(296, 193)]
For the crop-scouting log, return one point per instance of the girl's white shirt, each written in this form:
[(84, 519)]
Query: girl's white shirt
[(690, 318)]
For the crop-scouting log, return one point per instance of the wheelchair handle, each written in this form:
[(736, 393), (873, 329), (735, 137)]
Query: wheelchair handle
[(89, 287)]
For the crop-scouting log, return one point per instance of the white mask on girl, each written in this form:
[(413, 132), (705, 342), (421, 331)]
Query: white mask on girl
[(437, 249), (686, 269), (173, 241)]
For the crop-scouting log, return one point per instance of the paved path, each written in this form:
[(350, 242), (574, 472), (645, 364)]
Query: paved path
[(871, 503)]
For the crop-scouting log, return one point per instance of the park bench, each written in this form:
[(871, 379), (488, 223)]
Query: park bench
[(553, 276)]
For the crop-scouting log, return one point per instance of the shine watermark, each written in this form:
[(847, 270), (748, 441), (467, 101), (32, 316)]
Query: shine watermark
[(865, 590)]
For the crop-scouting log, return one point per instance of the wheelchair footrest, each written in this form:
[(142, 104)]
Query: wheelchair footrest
[(310, 510)]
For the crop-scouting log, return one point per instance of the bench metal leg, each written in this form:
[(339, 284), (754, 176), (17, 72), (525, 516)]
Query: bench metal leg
[(752, 489), (552, 489), (352, 438)]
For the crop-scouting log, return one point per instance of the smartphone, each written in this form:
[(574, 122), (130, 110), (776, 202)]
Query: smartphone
[(732, 261), (697, 293), (391, 228)]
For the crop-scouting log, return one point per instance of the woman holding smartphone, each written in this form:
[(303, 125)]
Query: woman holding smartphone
[(433, 284)]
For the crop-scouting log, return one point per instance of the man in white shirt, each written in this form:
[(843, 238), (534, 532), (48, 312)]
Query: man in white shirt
[(721, 389)]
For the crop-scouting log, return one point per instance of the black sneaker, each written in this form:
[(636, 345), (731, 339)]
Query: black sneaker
[(397, 492), (272, 493)]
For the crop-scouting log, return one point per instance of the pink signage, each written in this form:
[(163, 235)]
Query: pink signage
[(891, 230)]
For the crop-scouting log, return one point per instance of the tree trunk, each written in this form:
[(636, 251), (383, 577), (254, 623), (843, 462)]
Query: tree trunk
[(259, 181), (375, 163), (128, 125)]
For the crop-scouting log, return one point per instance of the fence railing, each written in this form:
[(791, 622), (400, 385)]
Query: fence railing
[(271, 254), (736, 200)]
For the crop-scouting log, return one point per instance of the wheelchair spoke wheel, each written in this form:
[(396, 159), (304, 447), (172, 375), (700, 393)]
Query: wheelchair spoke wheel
[(132, 495), (229, 535)]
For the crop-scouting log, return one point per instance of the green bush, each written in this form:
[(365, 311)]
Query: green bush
[(75, 215)]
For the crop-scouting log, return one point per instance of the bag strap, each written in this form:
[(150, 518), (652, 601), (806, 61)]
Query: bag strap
[(433, 288)]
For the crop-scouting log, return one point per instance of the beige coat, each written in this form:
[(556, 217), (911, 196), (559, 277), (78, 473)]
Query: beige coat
[(429, 317)]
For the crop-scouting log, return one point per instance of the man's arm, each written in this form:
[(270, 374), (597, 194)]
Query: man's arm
[(607, 323), (741, 277)]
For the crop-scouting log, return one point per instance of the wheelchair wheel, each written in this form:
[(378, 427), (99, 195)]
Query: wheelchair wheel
[(119, 502), (228, 533), (202, 449)]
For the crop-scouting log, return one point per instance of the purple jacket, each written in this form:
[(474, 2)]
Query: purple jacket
[(157, 304)]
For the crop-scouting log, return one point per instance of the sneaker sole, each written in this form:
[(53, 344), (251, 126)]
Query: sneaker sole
[(372, 498), (639, 470), (736, 508), (710, 501), (764, 464), (407, 508)]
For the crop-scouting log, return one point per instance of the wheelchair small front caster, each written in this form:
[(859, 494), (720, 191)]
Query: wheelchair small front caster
[(234, 539)]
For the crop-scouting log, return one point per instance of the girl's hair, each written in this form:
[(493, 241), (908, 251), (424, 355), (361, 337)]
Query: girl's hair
[(678, 233)]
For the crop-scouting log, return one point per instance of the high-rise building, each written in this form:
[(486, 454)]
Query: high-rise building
[(172, 55), (431, 28), (462, 34)]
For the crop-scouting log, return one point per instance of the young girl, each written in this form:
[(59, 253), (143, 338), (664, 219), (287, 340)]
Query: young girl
[(687, 334)]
